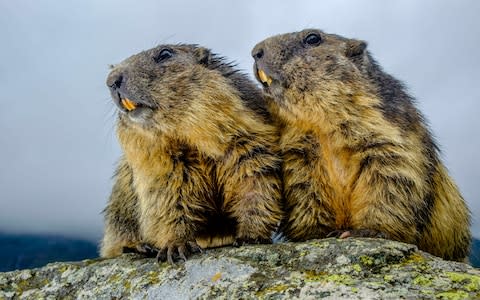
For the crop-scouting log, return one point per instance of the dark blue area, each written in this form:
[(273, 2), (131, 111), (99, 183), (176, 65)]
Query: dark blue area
[(22, 251), (475, 253)]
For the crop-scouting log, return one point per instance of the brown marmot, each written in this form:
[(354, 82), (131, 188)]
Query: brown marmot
[(200, 166), (359, 159)]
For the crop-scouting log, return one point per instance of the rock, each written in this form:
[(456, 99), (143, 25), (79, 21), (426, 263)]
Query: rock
[(328, 268)]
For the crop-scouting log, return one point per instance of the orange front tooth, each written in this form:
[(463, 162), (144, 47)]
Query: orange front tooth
[(263, 77), (128, 104), (131, 104), (125, 104)]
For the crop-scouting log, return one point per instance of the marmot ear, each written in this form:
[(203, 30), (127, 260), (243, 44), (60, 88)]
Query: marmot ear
[(355, 47), (203, 55)]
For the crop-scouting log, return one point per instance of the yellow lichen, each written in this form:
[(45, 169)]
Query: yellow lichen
[(273, 289), (427, 292), (422, 280), (153, 277), (470, 282), (453, 295), (388, 278), (22, 285), (114, 278), (366, 260), (414, 258), (340, 278), (357, 268), (312, 275)]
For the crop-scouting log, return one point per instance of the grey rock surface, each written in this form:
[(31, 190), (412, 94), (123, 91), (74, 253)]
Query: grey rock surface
[(328, 268)]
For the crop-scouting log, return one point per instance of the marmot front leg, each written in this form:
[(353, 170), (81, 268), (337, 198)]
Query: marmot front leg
[(388, 197), (309, 215), (252, 192), (174, 213), (170, 233)]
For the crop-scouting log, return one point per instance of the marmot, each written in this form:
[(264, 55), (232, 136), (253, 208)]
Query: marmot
[(358, 157), (200, 166)]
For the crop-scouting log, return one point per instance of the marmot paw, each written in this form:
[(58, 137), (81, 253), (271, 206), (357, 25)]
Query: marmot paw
[(177, 251)]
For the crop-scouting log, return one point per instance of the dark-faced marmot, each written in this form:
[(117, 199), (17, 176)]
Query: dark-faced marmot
[(359, 159), (200, 164)]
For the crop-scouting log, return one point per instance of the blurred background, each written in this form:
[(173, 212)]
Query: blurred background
[(57, 144)]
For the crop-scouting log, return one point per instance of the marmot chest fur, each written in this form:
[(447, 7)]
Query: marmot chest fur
[(358, 156), (200, 165)]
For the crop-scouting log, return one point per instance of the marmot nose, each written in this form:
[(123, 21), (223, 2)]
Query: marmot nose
[(257, 53), (115, 81)]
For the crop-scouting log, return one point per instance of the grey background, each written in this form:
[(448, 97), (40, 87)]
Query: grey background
[(57, 137)]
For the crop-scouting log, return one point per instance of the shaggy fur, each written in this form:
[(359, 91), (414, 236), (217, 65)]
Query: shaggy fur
[(200, 162), (359, 159)]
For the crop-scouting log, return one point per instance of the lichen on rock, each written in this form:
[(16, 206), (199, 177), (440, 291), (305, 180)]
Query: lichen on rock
[(328, 268)]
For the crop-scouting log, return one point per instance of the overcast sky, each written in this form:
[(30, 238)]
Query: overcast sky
[(57, 143)]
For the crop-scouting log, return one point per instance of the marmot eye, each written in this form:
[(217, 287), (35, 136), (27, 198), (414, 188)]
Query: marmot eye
[(163, 55), (313, 39)]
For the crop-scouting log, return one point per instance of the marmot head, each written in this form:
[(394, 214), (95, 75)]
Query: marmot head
[(173, 86), (306, 72)]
